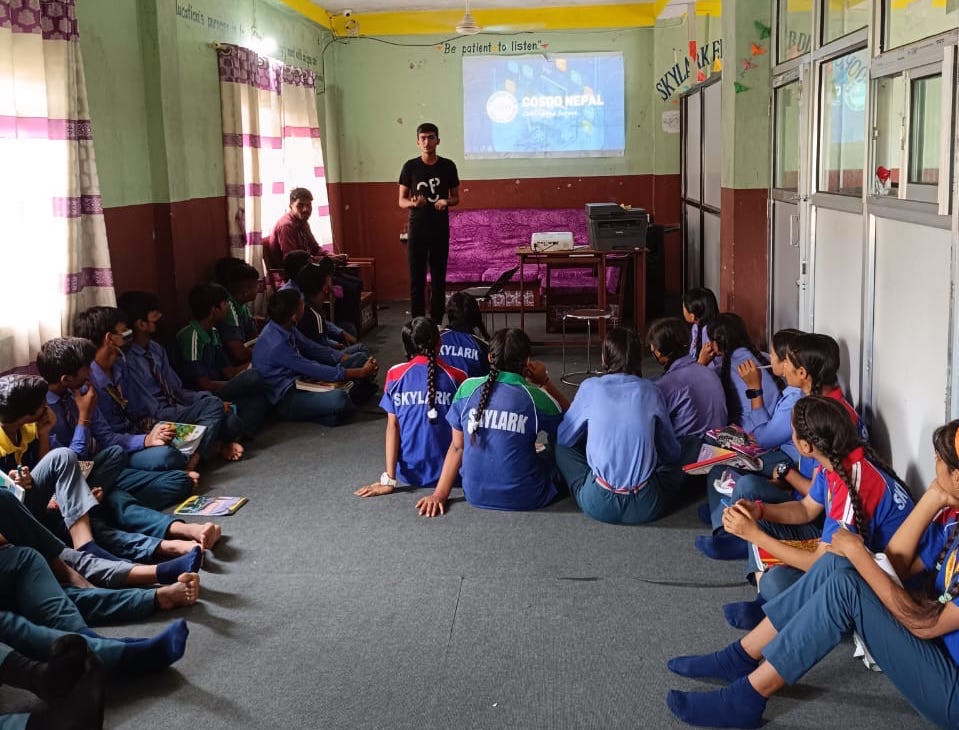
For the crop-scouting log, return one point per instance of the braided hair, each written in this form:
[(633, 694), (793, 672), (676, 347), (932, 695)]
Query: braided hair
[(702, 304), (729, 334), (509, 351), (819, 355), (421, 337), (463, 315), (825, 424), (670, 337)]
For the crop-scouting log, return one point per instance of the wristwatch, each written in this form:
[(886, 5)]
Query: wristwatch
[(782, 469), (386, 480), (754, 393)]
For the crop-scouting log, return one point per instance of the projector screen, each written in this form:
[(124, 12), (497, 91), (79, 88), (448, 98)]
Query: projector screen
[(567, 105)]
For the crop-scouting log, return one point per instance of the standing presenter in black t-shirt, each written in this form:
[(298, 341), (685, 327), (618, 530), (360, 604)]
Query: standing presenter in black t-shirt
[(429, 186)]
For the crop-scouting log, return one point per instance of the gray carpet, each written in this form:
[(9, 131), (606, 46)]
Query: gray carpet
[(322, 610)]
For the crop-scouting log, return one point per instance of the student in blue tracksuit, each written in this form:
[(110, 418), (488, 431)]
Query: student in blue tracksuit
[(852, 487), (315, 281), (283, 354), (502, 415), (700, 310), (616, 448), (731, 342), (913, 636), (417, 396), (464, 341), (694, 393)]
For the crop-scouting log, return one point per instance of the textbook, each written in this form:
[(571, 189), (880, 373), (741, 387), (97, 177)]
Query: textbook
[(322, 386), (187, 438), (210, 506), (765, 561), (733, 437), (710, 456), (10, 485)]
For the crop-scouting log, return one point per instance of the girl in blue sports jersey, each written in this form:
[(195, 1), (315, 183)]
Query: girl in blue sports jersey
[(416, 397), (628, 470), (853, 488), (502, 414), (913, 636), (463, 343), (700, 310)]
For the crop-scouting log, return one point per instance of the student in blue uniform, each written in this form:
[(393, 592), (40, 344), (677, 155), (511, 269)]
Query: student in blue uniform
[(502, 414), (914, 637), (464, 341), (283, 354), (238, 327), (731, 342), (315, 281), (852, 488), (416, 397), (616, 448), (694, 393), (700, 310)]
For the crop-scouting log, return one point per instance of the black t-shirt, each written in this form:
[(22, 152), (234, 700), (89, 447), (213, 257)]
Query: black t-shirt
[(434, 181)]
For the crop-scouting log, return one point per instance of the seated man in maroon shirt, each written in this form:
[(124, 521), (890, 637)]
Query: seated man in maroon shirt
[(292, 233)]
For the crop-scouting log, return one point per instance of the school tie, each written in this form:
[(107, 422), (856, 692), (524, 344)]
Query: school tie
[(168, 394)]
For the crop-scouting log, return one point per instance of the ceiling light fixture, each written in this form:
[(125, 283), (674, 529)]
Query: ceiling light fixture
[(468, 26)]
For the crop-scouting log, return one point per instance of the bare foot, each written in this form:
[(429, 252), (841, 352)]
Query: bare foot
[(193, 462), (182, 593), (174, 548), (195, 476), (231, 451), (207, 533), (97, 493)]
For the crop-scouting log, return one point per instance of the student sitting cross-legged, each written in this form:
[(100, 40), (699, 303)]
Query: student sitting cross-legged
[(147, 443), (617, 451), (416, 397), (64, 363), (156, 391), (315, 281), (238, 327), (464, 341), (283, 354), (502, 415), (205, 363), (914, 636), (853, 488)]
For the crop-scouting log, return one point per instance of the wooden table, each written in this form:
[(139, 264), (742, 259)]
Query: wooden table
[(587, 258)]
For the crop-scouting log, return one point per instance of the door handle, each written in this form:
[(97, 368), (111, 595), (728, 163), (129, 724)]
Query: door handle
[(794, 230)]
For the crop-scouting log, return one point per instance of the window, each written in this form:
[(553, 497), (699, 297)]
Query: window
[(795, 23), (842, 114), (787, 137), (911, 20), (841, 17), (925, 100), (888, 134)]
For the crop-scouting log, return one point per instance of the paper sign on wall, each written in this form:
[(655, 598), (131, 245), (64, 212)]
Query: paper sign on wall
[(671, 122)]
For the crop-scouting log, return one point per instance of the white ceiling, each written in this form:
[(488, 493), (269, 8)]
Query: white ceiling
[(336, 7)]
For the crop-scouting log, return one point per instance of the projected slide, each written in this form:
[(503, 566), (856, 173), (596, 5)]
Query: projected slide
[(536, 106)]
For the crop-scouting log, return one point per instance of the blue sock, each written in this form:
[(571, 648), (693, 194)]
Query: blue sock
[(738, 705), (91, 548), (704, 513), (729, 664), (723, 546), (169, 570), (745, 615), (153, 655)]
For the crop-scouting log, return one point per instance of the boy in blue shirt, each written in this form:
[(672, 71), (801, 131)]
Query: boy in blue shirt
[(157, 392), (315, 282), (206, 366)]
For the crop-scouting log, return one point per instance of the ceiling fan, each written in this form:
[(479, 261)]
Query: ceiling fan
[(469, 26)]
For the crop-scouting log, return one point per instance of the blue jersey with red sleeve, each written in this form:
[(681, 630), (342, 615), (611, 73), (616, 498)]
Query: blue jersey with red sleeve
[(465, 351), (423, 441), (941, 534), (885, 503), (501, 469)]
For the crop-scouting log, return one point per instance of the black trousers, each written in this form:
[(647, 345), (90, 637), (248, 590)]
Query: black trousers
[(347, 309), (428, 249)]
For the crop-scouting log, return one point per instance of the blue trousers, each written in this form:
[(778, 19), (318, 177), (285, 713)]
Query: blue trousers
[(157, 458), (831, 600), (58, 474), (156, 488), (247, 390), (330, 408), (204, 411), (748, 486), (661, 493)]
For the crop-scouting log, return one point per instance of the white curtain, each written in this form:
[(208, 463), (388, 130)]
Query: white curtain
[(271, 144), (55, 258)]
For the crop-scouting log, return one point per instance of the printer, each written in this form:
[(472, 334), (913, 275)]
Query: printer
[(552, 241), (613, 226)]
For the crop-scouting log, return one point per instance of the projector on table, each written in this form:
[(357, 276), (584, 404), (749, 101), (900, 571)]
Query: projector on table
[(552, 241)]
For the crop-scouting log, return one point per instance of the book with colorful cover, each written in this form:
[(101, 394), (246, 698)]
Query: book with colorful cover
[(322, 386), (210, 506), (765, 560), (733, 437), (710, 455), (188, 437)]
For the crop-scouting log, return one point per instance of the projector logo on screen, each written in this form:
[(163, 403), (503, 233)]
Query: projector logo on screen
[(501, 107)]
